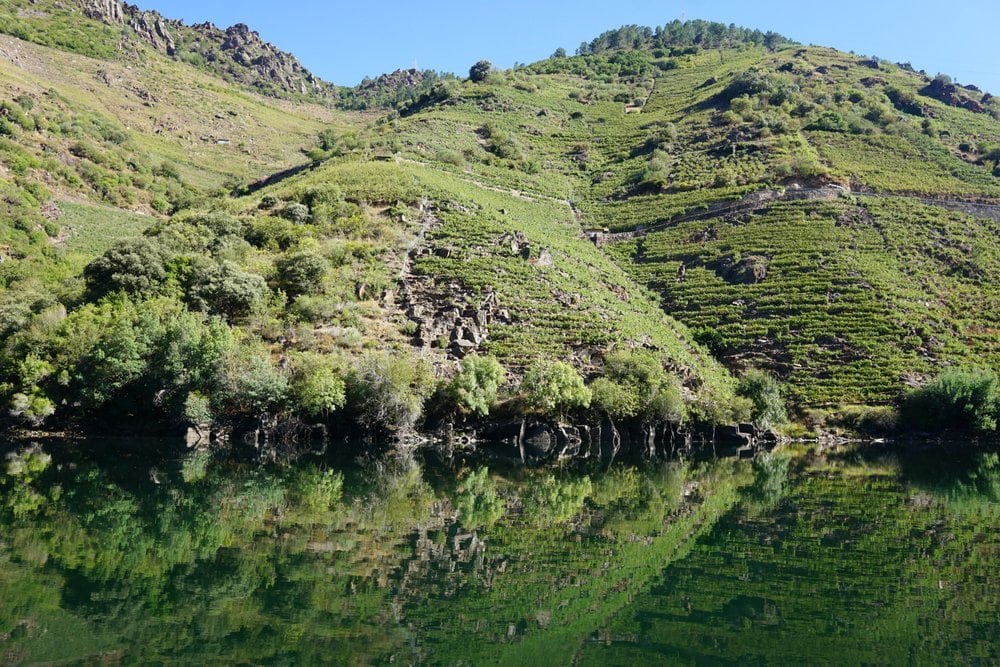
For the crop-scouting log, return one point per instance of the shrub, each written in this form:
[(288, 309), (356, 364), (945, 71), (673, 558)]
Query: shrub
[(226, 289), (198, 408), (316, 388), (297, 213), (389, 390), (302, 273), (554, 388), (957, 399), (475, 387), (635, 384), (250, 383), (134, 266), (763, 391)]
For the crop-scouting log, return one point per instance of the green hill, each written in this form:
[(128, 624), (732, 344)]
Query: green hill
[(665, 210)]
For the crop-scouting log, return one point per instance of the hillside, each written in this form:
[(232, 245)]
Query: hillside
[(115, 30), (666, 210)]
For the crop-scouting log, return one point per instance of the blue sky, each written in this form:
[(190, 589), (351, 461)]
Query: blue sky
[(344, 41)]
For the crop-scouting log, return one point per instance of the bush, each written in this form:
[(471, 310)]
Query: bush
[(250, 383), (225, 289), (764, 392), (967, 400), (554, 388), (302, 273), (475, 387), (316, 388), (635, 384), (389, 390), (134, 266), (297, 213)]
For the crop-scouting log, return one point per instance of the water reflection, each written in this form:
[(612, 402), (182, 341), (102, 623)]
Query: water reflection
[(203, 561)]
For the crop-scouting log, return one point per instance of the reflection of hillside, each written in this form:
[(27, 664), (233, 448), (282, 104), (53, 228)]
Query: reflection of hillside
[(205, 563), (847, 565)]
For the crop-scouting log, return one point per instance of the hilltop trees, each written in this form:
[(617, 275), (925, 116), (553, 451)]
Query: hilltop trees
[(480, 71)]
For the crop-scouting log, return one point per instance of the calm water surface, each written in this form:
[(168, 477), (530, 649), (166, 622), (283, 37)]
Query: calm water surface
[(882, 559)]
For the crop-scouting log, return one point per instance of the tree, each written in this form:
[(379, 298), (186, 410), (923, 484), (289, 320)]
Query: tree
[(389, 390), (559, 53), (316, 387), (302, 273), (226, 289), (475, 387), (768, 407), (554, 388), (135, 266), (635, 384), (250, 383), (480, 71)]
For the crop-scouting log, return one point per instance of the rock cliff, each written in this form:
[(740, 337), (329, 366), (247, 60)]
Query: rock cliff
[(237, 53)]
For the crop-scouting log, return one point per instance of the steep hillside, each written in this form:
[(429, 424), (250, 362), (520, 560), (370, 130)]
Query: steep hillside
[(115, 30), (666, 210)]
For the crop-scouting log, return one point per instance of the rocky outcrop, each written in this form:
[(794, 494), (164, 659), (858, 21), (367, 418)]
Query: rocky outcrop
[(149, 27), (237, 53), (748, 270), (943, 91), (447, 316)]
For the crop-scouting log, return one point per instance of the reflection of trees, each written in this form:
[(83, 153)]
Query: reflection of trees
[(770, 481), (203, 562), (970, 481)]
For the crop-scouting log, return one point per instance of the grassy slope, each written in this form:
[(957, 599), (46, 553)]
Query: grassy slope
[(169, 108), (860, 293)]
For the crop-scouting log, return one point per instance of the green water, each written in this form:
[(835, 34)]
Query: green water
[(840, 559)]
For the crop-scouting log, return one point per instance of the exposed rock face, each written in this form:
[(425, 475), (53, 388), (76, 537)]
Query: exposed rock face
[(371, 91), (150, 27), (748, 270), (950, 94), (237, 53)]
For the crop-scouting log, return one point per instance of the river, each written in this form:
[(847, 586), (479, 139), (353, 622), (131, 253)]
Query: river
[(795, 558)]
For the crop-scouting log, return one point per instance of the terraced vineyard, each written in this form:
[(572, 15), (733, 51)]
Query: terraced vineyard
[(794, 209)]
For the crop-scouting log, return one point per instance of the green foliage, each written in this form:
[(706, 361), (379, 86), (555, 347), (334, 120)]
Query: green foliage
[(315, 491), (317, 388), (480, 71), (250, 383), (551, 500), (198, 408), (764, 392), (474, 389), (635, 384), (477, 501), (135, 266), (770, 480), (225, 289), (965, 400), (554, 388), (678, 34), (389, 390), (302, 273)]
